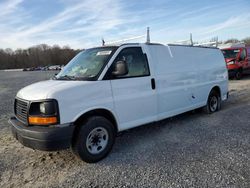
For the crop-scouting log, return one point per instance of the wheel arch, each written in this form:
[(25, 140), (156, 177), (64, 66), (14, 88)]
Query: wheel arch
[(97, 112), (215, 88)]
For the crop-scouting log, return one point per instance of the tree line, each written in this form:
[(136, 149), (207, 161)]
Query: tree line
[(234, 40), (45, 55), (36, 56)]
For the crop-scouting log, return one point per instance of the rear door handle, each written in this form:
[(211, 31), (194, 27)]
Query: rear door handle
[(153, 83)]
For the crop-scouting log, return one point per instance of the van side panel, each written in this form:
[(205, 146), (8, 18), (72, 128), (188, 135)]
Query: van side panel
[(212, 72), (184, 77)]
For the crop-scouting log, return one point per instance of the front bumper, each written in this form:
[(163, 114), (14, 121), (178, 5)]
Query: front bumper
[(42, 138)]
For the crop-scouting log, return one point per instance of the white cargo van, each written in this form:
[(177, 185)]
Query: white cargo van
[(109, 89)]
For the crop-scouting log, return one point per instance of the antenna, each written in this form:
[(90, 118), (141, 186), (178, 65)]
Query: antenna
[(191, 39), (148, 35), (103, 42)]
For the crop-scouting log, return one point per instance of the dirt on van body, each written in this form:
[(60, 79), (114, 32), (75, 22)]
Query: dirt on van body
[(190, 150)]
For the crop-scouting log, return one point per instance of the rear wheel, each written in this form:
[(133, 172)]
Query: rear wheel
[(213, 102), (94, 140)]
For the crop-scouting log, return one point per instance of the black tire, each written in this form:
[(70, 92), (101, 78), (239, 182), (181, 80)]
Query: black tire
[(238, 74), (213, 102), (86, 136)]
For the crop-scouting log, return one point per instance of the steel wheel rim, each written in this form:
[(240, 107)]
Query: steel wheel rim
[(213, 103), (238, 75), (97, 140)]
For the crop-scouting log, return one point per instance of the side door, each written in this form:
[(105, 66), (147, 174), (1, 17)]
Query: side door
[(174, 79), (134, 93)]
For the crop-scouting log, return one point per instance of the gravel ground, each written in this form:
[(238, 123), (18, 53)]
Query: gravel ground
[(189, 150)]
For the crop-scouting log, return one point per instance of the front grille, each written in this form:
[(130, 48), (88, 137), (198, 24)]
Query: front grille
[(21, 110)]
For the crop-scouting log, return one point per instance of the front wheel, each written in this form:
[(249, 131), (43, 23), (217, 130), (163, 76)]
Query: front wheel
[(213, 102), (94, 140), (238, 74)]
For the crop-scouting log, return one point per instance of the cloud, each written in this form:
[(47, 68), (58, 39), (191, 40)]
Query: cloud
[(207, 22), (232, 22), (89, 17), (82, 23), (8, 7)]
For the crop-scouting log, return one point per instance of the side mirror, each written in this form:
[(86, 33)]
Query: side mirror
[(120, 68)]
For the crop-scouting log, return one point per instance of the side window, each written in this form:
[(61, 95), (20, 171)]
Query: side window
[(243, 54), (136, 62)]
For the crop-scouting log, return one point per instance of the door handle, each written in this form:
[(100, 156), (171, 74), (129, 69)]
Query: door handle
[(153, 83)]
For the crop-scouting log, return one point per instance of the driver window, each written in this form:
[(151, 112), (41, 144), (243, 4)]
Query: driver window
[(243, 55), (136, 62)]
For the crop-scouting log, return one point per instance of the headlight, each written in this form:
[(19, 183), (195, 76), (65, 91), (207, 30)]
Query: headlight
[(44, 113), (47, 108), (231, 62), (42, 108)]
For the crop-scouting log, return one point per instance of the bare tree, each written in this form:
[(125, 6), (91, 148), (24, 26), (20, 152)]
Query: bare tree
[(247, 41), (232, 40)]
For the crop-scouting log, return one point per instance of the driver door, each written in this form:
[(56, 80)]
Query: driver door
[(134, 97)]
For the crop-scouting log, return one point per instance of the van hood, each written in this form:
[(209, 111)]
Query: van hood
[(47, 89)]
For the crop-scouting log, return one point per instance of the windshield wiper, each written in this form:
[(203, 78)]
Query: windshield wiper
[(66, 77)]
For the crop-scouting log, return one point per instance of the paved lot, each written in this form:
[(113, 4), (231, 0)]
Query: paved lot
[(190, 150)]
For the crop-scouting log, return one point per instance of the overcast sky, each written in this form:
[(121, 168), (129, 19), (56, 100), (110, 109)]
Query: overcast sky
[(82, 23)]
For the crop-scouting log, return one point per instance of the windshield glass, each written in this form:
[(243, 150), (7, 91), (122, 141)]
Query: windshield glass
[(87, 64), (230, 53)]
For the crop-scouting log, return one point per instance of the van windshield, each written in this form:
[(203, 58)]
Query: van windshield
[(86, 65), (230, 53)]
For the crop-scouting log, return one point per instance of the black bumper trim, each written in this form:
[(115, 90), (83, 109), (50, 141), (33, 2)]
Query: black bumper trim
[(42, 138)]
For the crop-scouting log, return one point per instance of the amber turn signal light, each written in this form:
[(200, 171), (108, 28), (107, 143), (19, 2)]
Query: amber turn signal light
[(42, 120)]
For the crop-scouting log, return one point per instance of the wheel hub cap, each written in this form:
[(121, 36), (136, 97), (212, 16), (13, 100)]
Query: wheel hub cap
[(97, 140), (213, 104)]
